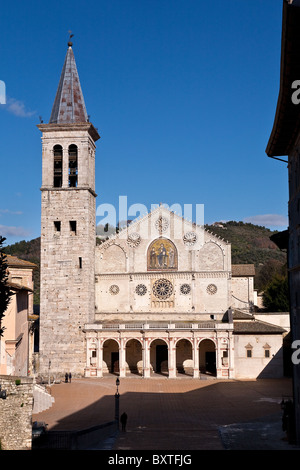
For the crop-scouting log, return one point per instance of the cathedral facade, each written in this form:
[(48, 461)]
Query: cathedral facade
[(160, 296)]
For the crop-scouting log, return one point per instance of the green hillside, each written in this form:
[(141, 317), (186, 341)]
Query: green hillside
[(250, 244)]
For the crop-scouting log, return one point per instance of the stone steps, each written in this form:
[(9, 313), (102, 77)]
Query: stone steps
[(42, 399)]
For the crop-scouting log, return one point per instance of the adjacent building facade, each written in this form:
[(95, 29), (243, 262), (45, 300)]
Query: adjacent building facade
[(160, 296), (284, 145), (16, 344)]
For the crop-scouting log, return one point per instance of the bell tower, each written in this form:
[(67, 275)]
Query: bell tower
[(67, 283)]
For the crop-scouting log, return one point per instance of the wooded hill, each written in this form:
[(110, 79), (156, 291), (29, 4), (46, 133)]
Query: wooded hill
[(250, 244)]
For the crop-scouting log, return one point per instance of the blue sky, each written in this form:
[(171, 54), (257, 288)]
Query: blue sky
[(183, 94)]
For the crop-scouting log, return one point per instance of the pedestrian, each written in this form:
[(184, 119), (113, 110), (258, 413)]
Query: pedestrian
[(66, 377), (124, 421), (70, 376)]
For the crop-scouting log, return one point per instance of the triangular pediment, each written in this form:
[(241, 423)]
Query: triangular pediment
[(165, 223)]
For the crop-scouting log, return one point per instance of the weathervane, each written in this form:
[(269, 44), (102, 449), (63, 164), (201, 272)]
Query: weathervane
[(70, 44)]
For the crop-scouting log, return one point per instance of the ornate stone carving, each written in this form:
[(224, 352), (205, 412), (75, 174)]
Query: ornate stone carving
[(190, 238), (134, 239), (162, 224)]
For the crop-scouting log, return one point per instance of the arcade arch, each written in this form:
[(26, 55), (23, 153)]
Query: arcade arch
[(159, 357), (184, 357), (207, 357)]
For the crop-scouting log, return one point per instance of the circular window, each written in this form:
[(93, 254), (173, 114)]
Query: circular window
[(141, 289), (211, 289), (190, 238), (162, 289), (185, 289), (114, 289)]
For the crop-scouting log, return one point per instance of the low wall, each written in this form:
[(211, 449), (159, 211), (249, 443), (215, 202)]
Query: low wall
[(86, 439), (16, 413)]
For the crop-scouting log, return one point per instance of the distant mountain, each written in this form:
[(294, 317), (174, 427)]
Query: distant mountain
[(250, 244)]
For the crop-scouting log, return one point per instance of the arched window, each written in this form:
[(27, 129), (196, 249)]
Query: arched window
[(57, 166), (73, 166)]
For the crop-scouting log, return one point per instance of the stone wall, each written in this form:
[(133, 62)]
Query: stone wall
[(16, 413)]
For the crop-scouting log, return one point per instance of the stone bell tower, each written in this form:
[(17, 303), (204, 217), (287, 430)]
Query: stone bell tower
[(67, 285)]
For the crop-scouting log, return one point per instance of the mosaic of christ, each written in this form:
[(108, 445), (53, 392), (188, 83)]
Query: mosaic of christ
[(162, 254)]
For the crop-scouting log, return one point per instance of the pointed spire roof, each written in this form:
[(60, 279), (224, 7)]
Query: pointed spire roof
[(69, 106)]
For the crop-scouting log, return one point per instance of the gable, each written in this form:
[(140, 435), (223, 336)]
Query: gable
[(163, 241)]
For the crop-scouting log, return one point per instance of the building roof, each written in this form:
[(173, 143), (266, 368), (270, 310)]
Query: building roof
[(287, 118), (14, 262), (245, 323), (69, 106), (256, 326), (17, 287), (243, 270)]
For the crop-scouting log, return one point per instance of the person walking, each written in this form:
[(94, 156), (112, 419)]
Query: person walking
[(70, 376), (124, 421)]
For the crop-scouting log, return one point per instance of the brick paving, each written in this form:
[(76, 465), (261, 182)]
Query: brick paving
[(179, 414)]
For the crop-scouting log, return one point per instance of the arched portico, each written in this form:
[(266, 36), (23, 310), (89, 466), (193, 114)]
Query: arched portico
[(184, 357), (111, 359), (207, 357), (134, 356), (159, 362)]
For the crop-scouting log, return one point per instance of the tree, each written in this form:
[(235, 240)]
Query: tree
[(5, 292), (276, 295)]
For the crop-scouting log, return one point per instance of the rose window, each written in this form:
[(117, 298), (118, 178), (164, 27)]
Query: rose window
[(141, 289), (185, 289), (162, 289), (211, 289), (114, 289)]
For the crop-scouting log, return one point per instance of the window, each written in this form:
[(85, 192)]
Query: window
[(73, 166), (57, 169), (73, 226), (248, 350), (57, 225), (80, 262), (267, 352)]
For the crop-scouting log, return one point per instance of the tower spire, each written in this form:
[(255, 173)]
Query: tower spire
[(69, 106)]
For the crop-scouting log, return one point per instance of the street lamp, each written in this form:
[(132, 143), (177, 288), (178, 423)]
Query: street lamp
[(117, 405), (49, 365)]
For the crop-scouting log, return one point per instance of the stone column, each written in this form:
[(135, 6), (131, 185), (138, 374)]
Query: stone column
[(122, 356), (65, 167), (172, 358), (146, 358), (230, 356), (100, 358), (218, 358), (196, 373)]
